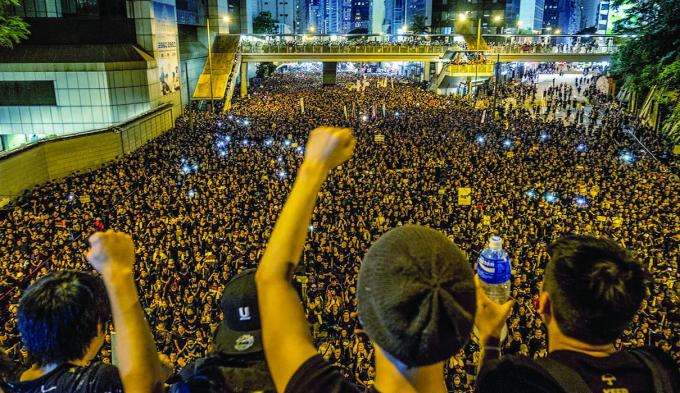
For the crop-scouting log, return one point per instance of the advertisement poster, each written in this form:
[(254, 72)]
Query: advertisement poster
[(166, 47)]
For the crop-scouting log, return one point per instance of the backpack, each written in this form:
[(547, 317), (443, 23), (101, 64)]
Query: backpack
[(224, 375), (571, 382)]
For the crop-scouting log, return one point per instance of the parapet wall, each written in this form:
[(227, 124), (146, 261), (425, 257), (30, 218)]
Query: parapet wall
[(56, 158)]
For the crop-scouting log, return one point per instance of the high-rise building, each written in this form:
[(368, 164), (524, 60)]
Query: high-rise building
[(284, 11), (531, 15), (361, 14), (392, 16), (462, 16)]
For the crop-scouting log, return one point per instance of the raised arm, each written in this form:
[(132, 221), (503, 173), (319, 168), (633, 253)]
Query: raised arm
[(285, 332), (112, 255)]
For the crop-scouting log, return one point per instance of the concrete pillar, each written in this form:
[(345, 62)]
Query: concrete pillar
[(244, 79), (438, 66), (330, 71), (426, 72)]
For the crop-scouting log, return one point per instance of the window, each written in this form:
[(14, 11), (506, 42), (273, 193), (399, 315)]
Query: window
[(27, 93)]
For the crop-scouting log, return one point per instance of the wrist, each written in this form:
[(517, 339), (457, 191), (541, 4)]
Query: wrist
[(489, 340), (314, 168), (118, 276)]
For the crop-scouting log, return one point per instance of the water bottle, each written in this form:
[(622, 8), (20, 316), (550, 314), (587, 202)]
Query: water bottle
[(493, 269)]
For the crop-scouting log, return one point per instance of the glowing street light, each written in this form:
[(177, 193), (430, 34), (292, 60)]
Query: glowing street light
[(497, 18), (462, 16), (312, 29)]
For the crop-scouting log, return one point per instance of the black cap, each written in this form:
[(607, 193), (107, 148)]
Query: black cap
[(240, 331)]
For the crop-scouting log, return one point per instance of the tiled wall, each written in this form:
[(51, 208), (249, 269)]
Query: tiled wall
[(50, 160), (86, 100)]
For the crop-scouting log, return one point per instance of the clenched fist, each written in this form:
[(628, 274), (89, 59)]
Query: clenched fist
[(111, 253), (329, 147)]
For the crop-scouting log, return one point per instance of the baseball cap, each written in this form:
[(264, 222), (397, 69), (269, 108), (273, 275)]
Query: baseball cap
[(240, 331), (416, 295)]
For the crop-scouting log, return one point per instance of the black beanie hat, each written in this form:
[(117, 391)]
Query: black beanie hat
[(416, 295)]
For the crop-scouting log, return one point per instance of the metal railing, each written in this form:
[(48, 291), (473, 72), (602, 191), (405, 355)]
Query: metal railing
[(425, 48)]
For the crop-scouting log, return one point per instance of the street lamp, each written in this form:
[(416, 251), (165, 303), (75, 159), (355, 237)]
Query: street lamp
[(462, 17), (312, 29), (227, 20)]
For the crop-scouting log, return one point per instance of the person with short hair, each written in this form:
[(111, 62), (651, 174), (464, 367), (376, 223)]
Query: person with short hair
[(591, 290), (63, 318), (416, 297)]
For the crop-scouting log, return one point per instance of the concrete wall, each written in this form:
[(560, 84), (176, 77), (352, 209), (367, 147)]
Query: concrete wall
[(57, 158)]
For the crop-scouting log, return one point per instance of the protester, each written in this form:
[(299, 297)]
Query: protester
[(62, 319), (591, 290), (415, 294), (236, 363)]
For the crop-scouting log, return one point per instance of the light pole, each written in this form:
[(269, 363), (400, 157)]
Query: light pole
[(212, 104), (463, 17)]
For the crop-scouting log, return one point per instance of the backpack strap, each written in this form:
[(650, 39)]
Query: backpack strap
[(569, 380), (662, 382)]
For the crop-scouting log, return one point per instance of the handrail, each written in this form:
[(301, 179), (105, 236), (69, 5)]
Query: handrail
[(337, 48)]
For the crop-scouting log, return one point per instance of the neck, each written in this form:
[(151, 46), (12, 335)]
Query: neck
[(557, 341), (393, 379), (36, 371)]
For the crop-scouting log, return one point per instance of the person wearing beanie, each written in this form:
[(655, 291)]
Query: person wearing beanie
[(416, 294)]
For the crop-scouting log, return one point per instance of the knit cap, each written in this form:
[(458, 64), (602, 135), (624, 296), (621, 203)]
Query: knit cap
[(416, 295)]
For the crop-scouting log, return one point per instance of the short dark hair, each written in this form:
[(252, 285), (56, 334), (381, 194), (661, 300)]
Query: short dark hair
[(595, 286), (59, 315)]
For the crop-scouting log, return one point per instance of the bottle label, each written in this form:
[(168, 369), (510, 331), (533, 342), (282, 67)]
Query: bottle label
[(493, 271)]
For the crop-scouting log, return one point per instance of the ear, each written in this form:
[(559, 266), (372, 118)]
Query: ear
[(544, 305)]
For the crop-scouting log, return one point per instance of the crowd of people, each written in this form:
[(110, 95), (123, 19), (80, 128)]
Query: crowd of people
[(200, 202)]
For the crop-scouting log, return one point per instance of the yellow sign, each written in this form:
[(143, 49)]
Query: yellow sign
[(617, 221), (676, 150), (465, 196), (486, 220)]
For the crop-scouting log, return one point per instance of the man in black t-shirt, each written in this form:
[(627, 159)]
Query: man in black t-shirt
[(62, 319), (591, 290), (416, 298)]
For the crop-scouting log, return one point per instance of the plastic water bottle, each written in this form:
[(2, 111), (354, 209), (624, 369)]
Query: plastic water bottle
[(493, 269)]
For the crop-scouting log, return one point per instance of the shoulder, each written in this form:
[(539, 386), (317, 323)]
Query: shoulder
[(514, 374), (665, 361), (317, 375), (104, 377)]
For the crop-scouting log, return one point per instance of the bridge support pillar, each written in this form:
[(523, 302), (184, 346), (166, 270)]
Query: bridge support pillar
[(426, 71), (244, 79), (330, 71)]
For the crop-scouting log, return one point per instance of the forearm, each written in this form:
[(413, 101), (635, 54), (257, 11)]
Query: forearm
[(135, 348), (288, 238)]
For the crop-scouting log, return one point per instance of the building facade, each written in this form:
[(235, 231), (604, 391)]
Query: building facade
[(93, 64), (462, 16)]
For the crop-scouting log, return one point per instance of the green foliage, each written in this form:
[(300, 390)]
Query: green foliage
[(264, 23), (419, 25), (12, 28), (656, 24)]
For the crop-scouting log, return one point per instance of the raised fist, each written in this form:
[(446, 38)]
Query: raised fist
[(329, 146), (111, 253)]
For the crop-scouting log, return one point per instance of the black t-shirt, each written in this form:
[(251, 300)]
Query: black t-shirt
[(94, 378), (622, 371), (316, 375)]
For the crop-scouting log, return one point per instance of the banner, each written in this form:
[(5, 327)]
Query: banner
[(302, 105), (483, 116), (379, 138), (464, 196), (166, 47), (344, 109), (383, 109)]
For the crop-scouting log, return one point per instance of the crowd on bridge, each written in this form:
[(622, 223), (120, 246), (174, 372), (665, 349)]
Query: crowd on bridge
[(200, 202)]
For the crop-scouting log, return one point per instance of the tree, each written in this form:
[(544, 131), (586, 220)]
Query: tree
[(12, 28), (652, 56), (655, 25), (264, 23), (419, 25)]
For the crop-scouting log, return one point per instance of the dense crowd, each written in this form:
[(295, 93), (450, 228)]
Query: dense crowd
[(201, 201)]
